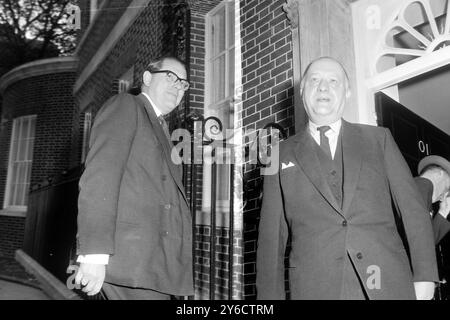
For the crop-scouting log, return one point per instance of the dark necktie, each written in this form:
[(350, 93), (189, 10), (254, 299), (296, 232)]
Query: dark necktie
[(165, 127), (324, 142)]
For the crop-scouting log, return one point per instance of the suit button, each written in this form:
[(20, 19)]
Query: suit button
[(167, 206), (163, 177), (344, 223), (359, 255), (333, 172)]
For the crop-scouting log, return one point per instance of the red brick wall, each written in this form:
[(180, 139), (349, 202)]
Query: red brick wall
[(50, 98), (268, 97)]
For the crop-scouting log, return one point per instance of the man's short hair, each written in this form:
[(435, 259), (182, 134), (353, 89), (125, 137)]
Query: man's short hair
[(156, 64), (324, 58)]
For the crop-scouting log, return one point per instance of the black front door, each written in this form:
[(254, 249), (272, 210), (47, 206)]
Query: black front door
[(416, 139)]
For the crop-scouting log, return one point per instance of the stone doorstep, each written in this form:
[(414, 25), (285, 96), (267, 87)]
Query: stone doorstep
[(10, 269), (20, 281), (54, 288)]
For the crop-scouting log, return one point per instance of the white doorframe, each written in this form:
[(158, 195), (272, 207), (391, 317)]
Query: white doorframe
[(368, 83)]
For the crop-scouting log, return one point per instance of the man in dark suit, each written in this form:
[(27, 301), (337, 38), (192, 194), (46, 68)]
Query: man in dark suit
[(333, 194), (134, 225), (434, 186)]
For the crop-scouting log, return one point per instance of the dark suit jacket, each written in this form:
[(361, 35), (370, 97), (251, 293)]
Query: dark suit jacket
[(298, 199), (132, 204), (441, 226)]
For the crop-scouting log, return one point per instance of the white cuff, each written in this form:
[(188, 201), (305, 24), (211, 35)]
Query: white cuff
[(94, 258)]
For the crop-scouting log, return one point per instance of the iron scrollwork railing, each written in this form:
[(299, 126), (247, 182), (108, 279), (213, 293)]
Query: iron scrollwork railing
[(211, 128)]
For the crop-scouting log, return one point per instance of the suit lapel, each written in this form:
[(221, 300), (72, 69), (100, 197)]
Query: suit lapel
[(308, 160), (352, 149), (167, 147)]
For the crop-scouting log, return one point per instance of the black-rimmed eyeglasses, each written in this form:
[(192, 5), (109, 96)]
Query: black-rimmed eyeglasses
[(175, 80)]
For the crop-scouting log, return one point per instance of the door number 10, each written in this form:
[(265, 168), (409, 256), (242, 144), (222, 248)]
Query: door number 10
[(423, 147)]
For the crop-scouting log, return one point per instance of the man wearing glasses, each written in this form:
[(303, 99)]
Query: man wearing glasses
[(134, 224)]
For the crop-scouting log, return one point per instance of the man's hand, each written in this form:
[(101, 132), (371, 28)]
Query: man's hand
[(444, 207), (91, 276), (424, 290)]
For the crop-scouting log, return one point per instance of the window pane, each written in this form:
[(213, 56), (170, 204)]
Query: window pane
[(22, 150), (14, 150), (23, 129), (12, 193), (230, 26), (21, 184), (21, 160), (231, 67), (22, 172), (19, 195), (219, 31), (15, 173), (28, 172), (223, 179), (219, 78)]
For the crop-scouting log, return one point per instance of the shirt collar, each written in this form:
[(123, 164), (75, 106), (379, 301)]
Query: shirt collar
[(335, 127), (157, 111)]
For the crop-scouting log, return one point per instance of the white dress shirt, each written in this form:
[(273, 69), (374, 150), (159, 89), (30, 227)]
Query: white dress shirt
[(332, 134), (104, 258)]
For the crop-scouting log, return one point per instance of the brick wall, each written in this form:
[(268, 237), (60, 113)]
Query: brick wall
[(267, 97), (50, 98), (11, 235), (202, 262), (101, 27)]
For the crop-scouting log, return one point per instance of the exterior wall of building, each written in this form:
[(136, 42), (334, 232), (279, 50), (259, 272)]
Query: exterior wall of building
[(49, 97), (267, 98), (11, 235)]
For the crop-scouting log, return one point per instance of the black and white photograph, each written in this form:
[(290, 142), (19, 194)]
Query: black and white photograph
[(240, 152)]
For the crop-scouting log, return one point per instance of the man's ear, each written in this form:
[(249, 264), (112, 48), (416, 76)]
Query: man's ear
[(146, 78), (348, 92)]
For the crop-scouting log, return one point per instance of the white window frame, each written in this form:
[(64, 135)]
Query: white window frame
[(217, 108), (210, 105), (10, 209), (369, 83)]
